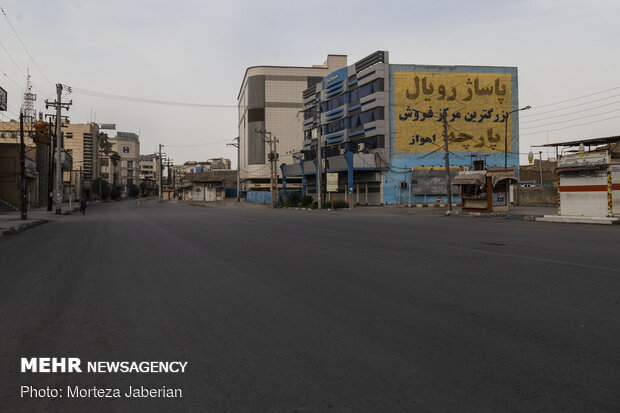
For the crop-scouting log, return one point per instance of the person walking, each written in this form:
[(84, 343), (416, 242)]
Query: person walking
[(83, 206)]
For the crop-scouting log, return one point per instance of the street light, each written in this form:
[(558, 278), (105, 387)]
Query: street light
[(506, 135)]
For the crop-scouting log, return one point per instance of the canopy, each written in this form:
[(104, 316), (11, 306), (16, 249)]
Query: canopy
[(470, 178), (501, 176)]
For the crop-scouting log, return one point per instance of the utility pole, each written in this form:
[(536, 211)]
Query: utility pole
[(22, 162), (59, 106), (161, 177), (447, 158), (238, 146), (319, 161), (50, 163), (541, 169), (273, 159)]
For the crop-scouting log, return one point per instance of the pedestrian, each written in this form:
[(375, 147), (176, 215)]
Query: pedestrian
[(83, 206)]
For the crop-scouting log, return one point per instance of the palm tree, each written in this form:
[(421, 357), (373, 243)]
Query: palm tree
[(104, 143), (115, 158)]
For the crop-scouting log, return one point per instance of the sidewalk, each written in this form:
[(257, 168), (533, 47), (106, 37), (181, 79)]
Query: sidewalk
[(516, 212), (11, 223)]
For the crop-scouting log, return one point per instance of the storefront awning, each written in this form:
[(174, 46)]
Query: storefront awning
[(470, 178), (502, 176)]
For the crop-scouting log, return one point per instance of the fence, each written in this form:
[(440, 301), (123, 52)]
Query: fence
[(536, 195)]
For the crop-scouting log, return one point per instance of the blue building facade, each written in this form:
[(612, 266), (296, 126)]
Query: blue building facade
[(382, 128)]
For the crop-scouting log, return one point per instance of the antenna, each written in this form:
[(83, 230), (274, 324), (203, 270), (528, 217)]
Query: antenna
[(28, 101)]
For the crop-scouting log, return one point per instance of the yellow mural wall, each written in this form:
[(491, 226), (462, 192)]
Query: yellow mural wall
[(475, 106)]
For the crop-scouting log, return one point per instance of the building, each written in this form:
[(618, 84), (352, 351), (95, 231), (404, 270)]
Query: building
[(210, 186), (149, 174), (39, 166), (126, 173), (382, 128), (10, 176), (270, 100), (588, 181), (220, 163), (80, 141)]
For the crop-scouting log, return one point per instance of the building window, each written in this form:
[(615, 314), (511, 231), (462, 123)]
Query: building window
[(69, 135), (332, 104), (373, 142), (368, 116), (334, 126), (363, 91)]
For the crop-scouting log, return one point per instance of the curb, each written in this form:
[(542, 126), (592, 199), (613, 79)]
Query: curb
[(506, 215), (22, 227)]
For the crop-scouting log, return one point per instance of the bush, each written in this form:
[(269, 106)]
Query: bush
[(306, 201), (115, 194)]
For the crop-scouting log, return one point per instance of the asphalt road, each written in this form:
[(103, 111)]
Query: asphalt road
[(377, 310)]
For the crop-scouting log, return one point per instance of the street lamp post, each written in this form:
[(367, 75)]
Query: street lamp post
[(506, 134)]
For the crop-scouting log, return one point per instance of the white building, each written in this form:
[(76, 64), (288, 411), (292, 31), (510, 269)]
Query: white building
[(270, 99)]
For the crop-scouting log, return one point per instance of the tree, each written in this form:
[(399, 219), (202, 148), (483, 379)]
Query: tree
[(115, 158), (100, 186), (104, 142)]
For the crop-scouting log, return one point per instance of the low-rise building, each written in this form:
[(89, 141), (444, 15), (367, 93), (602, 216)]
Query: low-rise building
[(210, 186), (39, 163)]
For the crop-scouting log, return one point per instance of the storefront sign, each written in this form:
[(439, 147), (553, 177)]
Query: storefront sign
[(332, 182)]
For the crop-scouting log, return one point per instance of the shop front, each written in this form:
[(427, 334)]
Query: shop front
[(485, 191)]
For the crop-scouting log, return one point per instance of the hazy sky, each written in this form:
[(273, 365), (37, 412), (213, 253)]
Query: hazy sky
[(197, 51)]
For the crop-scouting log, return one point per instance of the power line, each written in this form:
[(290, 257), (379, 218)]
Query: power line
[(12, 60), (105, 95), (570, 107), (198, 144), (10, 78), (24, 46), (578, 97), (571, 120), (570, 113), (572, 126)]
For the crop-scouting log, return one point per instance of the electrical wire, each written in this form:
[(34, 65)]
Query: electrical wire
[(24, 46), (571, 120), (578, 97), (568, 127), (568, 114), (105, 95), (198, 144), (569, 107)]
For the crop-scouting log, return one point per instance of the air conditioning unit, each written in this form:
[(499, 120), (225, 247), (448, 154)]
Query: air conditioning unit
[(342, 151), (361, 147)]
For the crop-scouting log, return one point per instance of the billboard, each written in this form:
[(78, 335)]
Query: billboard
[(475, 106), (3, 100)]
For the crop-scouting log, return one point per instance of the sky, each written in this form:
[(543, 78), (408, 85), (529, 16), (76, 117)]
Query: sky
[(198, 51)]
